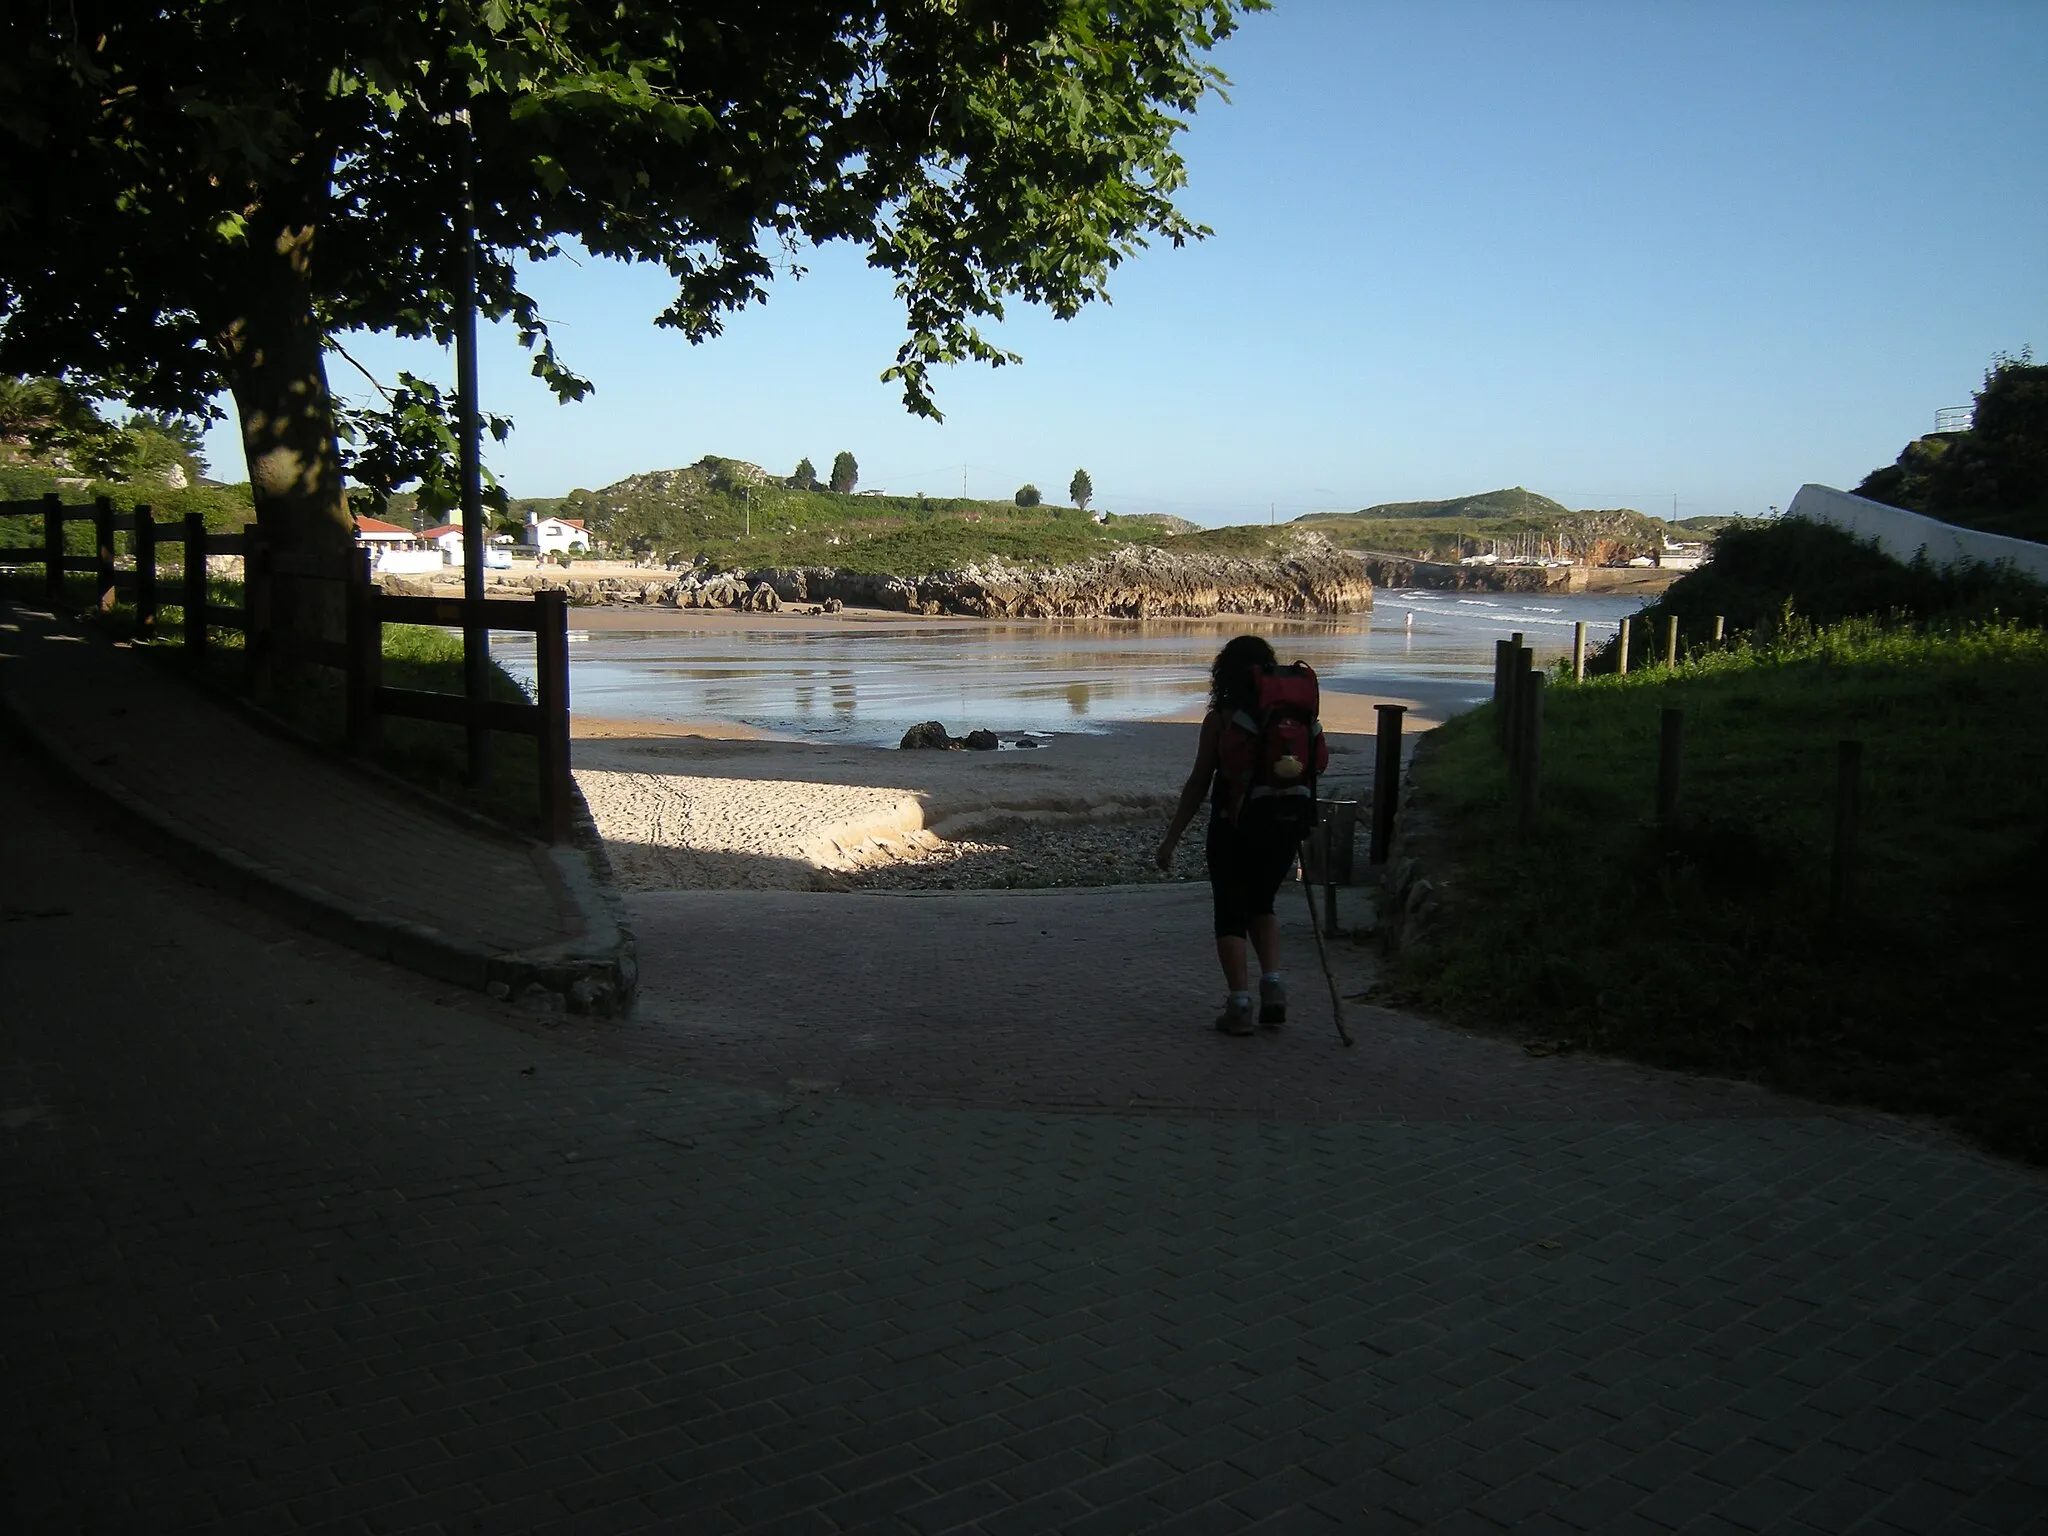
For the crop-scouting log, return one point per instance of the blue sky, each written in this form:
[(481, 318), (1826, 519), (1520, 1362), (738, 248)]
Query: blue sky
[(1616, 253)]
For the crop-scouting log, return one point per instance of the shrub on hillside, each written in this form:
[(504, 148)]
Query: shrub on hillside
[(1762, 573), (1995, 475)]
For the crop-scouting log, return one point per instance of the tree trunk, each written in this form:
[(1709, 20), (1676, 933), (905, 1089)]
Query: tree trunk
[(277, 371)]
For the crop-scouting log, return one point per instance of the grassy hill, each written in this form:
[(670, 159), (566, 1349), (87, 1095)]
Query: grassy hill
[(1512, 502), (1513, 521), (736, 515), (1704, 943)]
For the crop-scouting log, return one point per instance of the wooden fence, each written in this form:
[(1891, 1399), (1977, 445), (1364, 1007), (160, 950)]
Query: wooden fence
[(359, 657)]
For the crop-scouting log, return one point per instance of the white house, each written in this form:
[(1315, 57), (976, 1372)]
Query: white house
[(448, 540), (551, 535)]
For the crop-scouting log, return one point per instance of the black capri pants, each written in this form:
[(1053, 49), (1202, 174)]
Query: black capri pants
[(1246, 866)]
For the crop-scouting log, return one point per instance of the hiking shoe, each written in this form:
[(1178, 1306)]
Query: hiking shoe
[(1272, 1002), (1236, 1018)]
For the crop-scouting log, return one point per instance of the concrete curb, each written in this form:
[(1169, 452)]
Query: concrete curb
[(596, 973)]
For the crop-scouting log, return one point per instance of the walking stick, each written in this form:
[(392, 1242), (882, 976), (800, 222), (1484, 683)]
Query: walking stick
[(1336, 1007)]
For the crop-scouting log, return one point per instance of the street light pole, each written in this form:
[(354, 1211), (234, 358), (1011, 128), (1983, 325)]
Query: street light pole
[(476, 637)]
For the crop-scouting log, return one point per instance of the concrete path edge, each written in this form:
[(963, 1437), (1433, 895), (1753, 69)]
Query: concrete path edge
[(596, 974)]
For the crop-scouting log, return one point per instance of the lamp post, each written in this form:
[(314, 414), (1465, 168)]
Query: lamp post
[(476, 637)]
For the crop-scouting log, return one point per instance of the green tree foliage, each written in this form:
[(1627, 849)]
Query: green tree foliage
[(413, 441), (845, 473), (1027, 496), (49, 424), (1080, 489), (1995, 475), (202, 194), (806, 476)]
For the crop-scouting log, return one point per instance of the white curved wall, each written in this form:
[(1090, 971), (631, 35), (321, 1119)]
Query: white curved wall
[(1902, 534)]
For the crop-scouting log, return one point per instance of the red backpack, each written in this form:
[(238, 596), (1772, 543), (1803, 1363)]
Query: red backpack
[(1270, 753)]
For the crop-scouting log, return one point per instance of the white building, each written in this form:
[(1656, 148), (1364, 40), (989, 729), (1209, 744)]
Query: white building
[(552, 535)]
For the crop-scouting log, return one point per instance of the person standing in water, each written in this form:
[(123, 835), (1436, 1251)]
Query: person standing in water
[(1248, 857)]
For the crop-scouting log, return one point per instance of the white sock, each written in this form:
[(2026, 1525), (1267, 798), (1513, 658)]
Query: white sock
[(1242, 999), (1273, 976)]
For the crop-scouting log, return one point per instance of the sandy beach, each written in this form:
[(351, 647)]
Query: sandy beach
[(700, 805)]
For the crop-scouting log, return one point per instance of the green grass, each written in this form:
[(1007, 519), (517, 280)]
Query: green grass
[(1706, 945), (1789, 574), (425, 752)]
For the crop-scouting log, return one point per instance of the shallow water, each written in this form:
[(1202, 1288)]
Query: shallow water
[(868, 683)]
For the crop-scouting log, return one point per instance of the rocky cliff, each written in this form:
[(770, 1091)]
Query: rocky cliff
[(1398, 571), (1312, 577)]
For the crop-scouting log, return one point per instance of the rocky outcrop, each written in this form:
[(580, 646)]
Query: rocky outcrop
[(1399, 571), (930, 735), (1313, 577), (1310, 576)]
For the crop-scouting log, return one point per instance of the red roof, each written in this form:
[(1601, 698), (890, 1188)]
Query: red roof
[(566, 522), (378, 526), (441, 532)]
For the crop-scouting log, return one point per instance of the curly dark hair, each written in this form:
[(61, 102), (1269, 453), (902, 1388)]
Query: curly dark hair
[(1230, 678)]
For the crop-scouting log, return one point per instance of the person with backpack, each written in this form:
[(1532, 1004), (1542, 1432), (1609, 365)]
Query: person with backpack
[(1256, 763)]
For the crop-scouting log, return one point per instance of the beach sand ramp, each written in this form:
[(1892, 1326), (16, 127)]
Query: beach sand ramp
[(672, 832)]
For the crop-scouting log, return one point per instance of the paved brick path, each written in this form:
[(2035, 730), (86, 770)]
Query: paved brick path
[(1090, 999), (296, 1242)]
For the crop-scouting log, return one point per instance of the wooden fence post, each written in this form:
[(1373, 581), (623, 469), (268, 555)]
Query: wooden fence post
[(1621, 657), (195, 589), (1720, 627), (1670, 748), (103, 543), (1579, 651), (53, 549), (1386, 778), (256, 614), (365, 654), (1670, 641), (551, 693), (145, 573), (1848, 816), (1521, 667), (1532, 751), (1502, 649)]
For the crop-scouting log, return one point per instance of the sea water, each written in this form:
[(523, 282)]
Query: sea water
[(868, 681)]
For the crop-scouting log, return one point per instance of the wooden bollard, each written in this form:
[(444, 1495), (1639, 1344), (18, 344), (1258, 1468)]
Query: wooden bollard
[(1531, 753), (145, 573), (1386, 778), (1519, 673), (1579, 651), (1670, 749), (1848, 815), (103, 544), (1720, 628), (1670, 641), (1621, 654), (1502, 649), (195, 589)]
